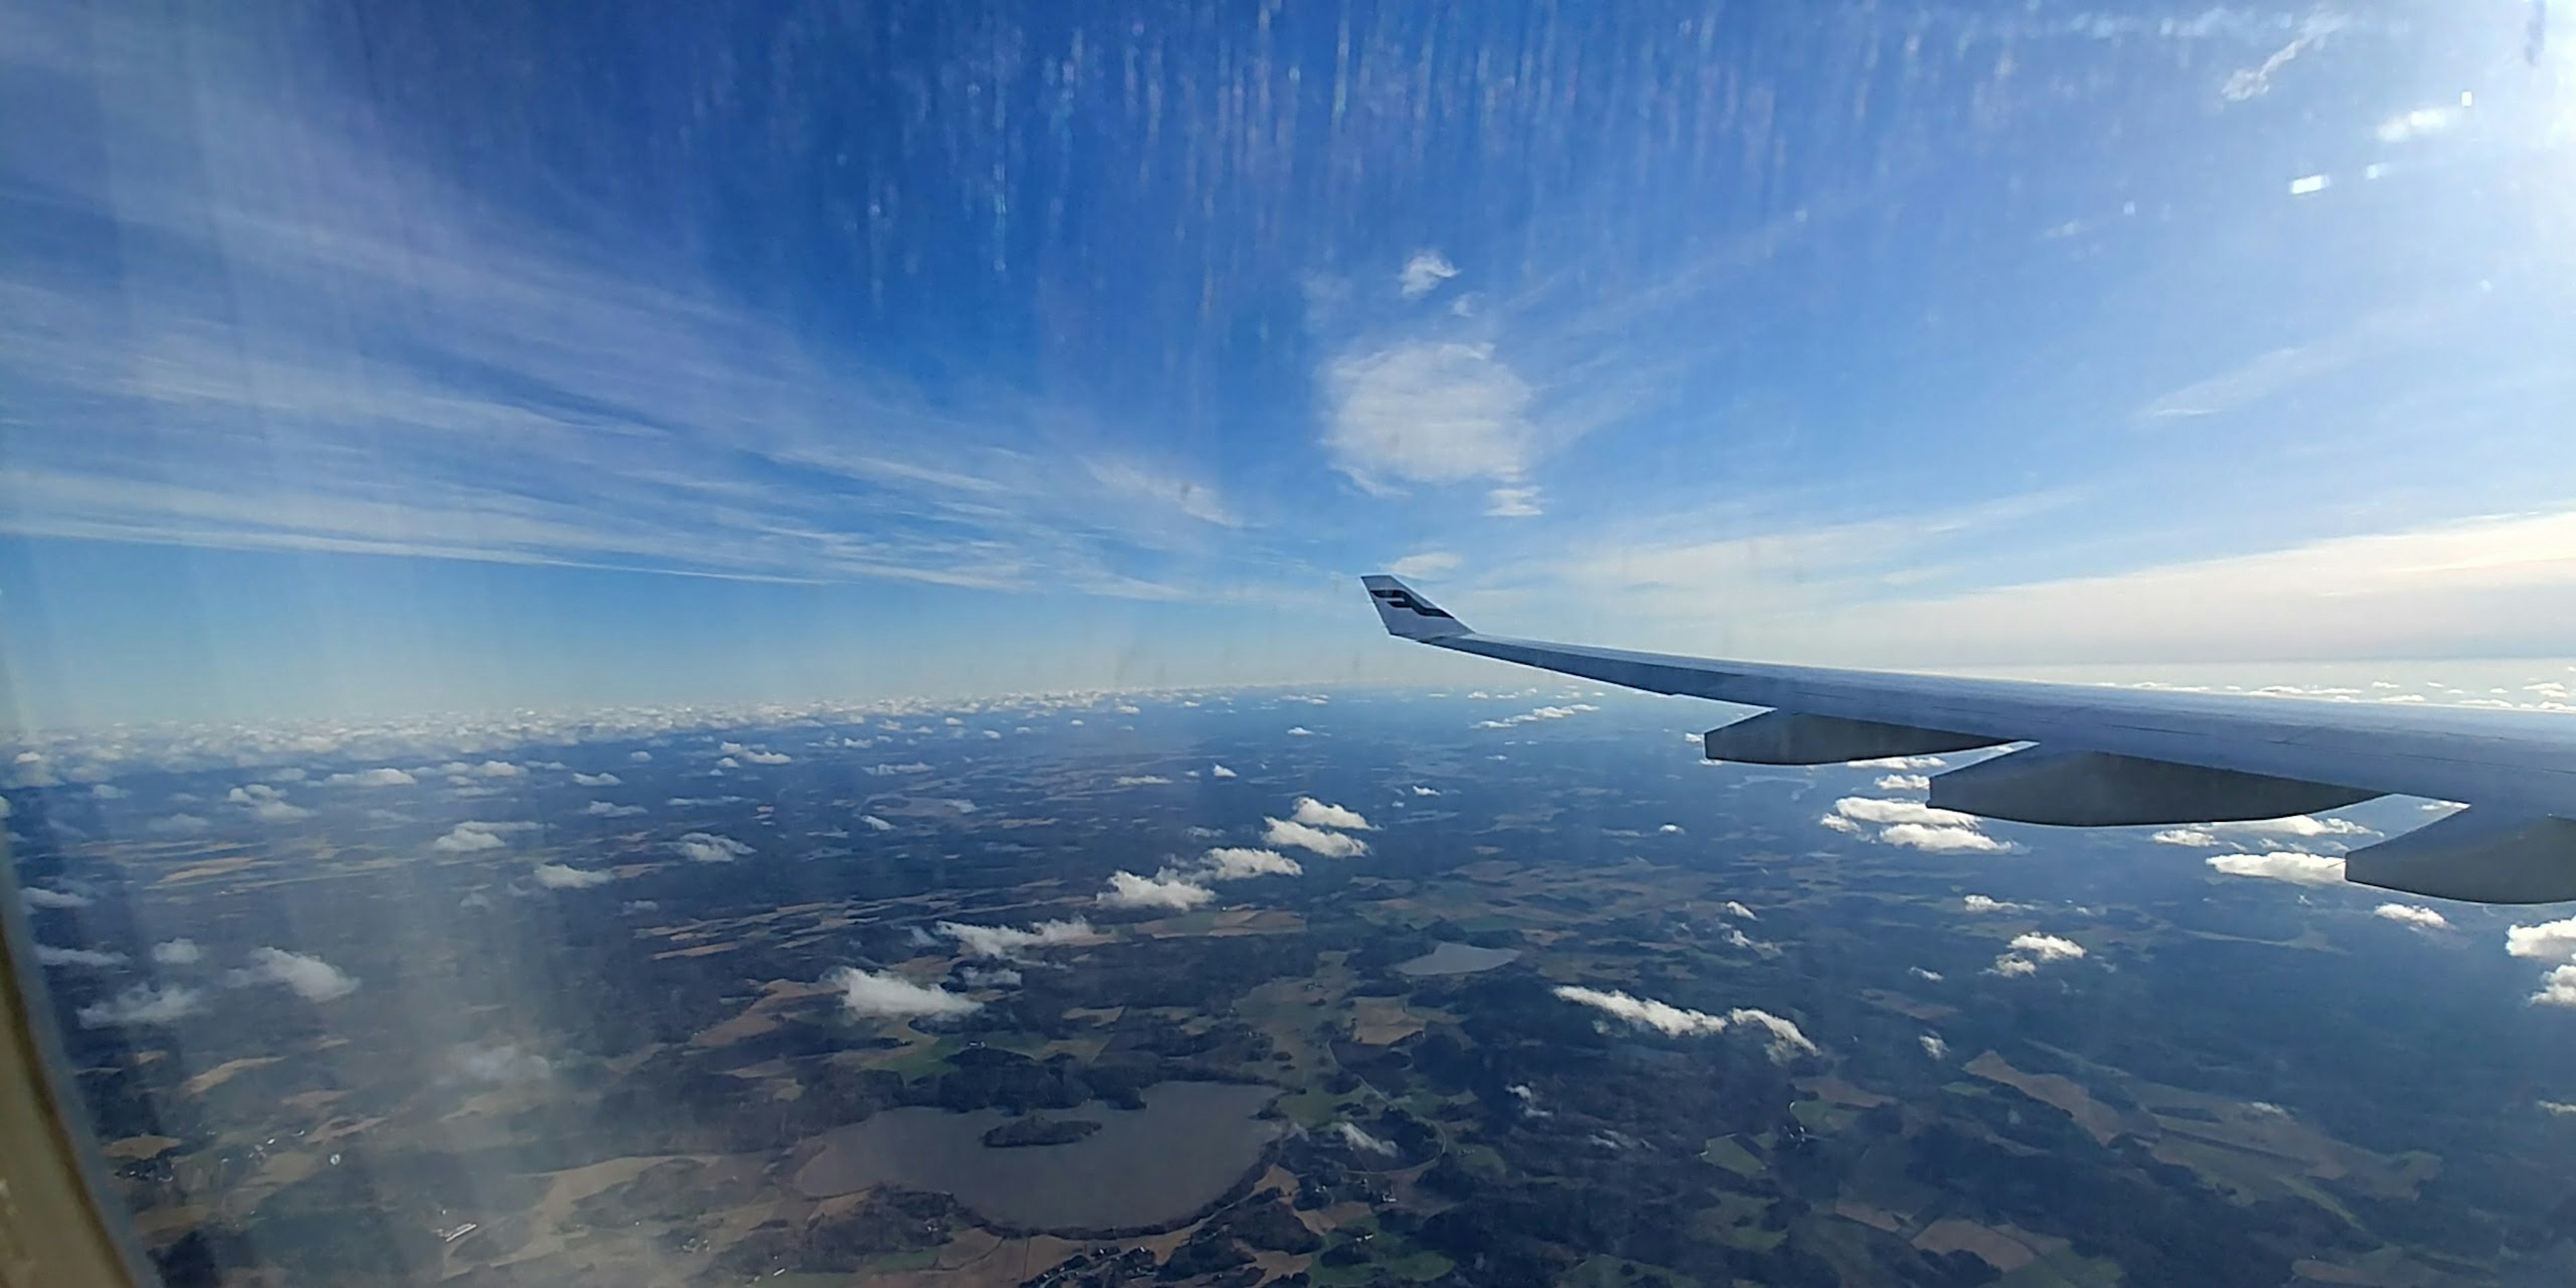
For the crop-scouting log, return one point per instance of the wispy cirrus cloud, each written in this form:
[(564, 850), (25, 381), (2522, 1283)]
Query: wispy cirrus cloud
[(312, 344)]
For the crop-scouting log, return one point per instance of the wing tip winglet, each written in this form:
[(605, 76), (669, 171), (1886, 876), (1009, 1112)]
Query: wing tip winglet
[(1406, 613)]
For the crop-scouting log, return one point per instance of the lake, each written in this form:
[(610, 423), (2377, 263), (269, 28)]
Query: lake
[(1190, 1143), (1459, 959)]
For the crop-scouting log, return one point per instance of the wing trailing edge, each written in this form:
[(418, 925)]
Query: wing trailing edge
[(2106, 756)]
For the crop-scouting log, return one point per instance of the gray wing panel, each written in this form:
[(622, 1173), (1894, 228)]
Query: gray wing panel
[(2518, 761)]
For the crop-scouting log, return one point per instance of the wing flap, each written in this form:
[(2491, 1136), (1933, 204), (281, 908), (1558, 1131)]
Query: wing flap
[(1793, 738), (2475, 856), (2098, 789)]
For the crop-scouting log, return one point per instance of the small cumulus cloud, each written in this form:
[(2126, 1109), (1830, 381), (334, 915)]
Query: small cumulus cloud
[(266, 803), (2409, 914), (1235, 863), (1942, 840), (1424, 273), (503, 1064), (707, 847), (597, 780), (1143, 780), (1565, 712), (1220, 771), (474, 836), (1898, 762), (2047, 948), (1785, 1039), (885, 994), (83, 958), (1429, 563), (1934, 1047), (1986, 903), (1353, 1135), (1904, 783), (1733, 909), (559, 876), (1315, 813), (142, 1004), (1289, 834), (178, 952), (388, 776), (1010, 941), (2548, 941), (2281, 865), (306, 976), (177, 825), (34, 897), (2011, 967), (603, 809), (766, 758), (1128, 890), (876, 824), (2557, 988)]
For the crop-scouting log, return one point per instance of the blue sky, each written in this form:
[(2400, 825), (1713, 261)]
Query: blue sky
[(384, 361)]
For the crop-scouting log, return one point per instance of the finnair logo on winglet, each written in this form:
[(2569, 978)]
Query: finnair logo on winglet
[(1394, 598)]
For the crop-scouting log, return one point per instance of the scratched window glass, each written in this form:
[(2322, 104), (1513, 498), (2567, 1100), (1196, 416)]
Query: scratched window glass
[(1319, 643)]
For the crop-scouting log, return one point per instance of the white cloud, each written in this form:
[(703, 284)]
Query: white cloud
[(2412, 915), (876, 824), (1424, 273), (988, 977), (640, 757), (1235, 863), (1220, 771), (1733, 909), (1428, 563), (308, 977), (2281, 865), (142, 1004), (2418, 123), (1542, 713), (266, 803), (1865, 809), (2558, 1109), (597, 780), (178, 952), (1512, 503), (1285, 833), (2196, 837), (1315, 813), (1898, 762), (2548, 941), (1663, 1017), (1427, 412), (707, 847), (2047, 948), (767, 757), (1354, 1136), (884, 993), (1927, 976), (908, 767), (107, 792), (1294, 731), (2011, 967), (1840, 824), (2557, 988), (1128, 890), (35, 897), (1420, 790), (474, 836), (503, 1064), (559, 876), (603, 809), (2296, 826), (86, 958), (388, 776), (1934, 1047), (1143, 780), (1988, 903), (1944, 840), (1904, 783), (1010, 942)]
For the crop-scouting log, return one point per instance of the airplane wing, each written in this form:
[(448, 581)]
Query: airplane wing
[(2106, 757)]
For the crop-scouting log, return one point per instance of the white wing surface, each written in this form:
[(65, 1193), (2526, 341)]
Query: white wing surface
[(2100, 757)]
